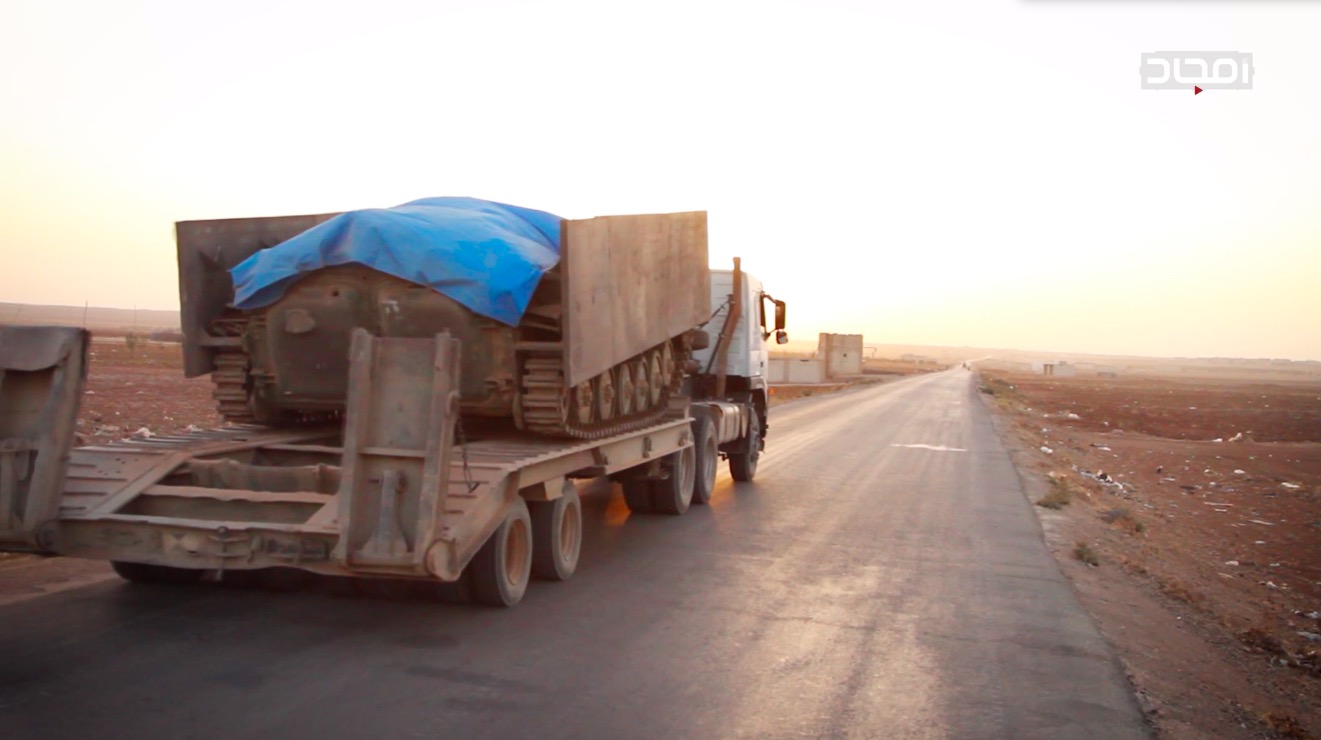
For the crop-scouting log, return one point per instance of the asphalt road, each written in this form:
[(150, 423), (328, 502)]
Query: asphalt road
[(861, 587)]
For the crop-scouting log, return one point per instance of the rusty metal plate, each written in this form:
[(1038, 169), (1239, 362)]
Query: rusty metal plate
[(207, 250), (631, 283)]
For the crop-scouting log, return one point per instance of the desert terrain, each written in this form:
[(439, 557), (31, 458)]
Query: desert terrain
[(1187, 511)]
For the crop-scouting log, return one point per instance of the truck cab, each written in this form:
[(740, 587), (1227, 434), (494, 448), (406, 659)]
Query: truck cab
[(728, 387), (760, 320)]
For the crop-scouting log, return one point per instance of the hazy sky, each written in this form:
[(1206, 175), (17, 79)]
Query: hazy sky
[(985, 173)]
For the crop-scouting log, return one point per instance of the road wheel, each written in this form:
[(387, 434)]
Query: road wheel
[(704, 443), (743, 465), (557, 535), (501, 568), (667, 365), (582, 398), (655, 379), (624, 390), (605, 396), (641, 385), (674, 494), (145, 573), (637, 494)]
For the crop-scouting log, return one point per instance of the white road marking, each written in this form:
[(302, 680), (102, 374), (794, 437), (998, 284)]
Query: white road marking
[(937, 448)]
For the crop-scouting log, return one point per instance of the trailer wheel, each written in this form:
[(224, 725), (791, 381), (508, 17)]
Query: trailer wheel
[(146, 573), (708, 455), (743, 465), (637, 494), (557, 535), (673, 494), (501, 568)]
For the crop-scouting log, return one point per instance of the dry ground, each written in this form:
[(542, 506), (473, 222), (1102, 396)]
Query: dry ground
[(142, 387), (1189, 517)]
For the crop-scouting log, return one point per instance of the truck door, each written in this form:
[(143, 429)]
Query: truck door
[(42, 373)]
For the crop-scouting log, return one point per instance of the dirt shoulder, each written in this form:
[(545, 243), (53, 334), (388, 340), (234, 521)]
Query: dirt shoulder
[(1188, 516)]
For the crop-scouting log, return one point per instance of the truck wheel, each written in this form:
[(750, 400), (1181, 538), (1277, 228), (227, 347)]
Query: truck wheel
[(637, 494), (500, 569), (145, 573), (673, 494), (743, 465), (704, 442), (557, 535)]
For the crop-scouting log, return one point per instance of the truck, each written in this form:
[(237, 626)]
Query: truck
[(404, 476)]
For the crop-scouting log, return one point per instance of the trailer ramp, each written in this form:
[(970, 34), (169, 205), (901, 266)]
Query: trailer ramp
[(42, 373)]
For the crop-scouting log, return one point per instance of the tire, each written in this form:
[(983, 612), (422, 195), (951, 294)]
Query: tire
[(557, 535), (674, 494), (501, 568), (145, 573), (708, 457), (637, 494), (743, 465)]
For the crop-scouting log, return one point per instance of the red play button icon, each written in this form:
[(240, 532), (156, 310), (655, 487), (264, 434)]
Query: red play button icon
[(1196, 89)]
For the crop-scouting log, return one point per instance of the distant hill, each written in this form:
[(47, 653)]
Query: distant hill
[(122, 319)]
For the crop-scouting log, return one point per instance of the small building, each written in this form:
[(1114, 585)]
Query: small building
[(792, 370), (1059, 369), (842, 354)]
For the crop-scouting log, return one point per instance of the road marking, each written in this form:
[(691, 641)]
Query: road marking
[(937, 448)]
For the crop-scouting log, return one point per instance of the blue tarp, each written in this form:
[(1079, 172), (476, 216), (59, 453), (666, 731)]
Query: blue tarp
[(488, 256)]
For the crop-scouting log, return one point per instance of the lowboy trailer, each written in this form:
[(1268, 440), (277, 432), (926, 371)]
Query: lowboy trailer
[(395, 491)]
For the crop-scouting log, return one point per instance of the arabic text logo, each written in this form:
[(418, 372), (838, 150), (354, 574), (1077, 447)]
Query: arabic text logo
[(1199, 70)]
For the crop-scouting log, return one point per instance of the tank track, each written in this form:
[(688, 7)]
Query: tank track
[(545, 403), (229, 386)]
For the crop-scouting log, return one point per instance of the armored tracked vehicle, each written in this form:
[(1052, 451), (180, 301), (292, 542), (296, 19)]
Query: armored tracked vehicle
[(571, 328)]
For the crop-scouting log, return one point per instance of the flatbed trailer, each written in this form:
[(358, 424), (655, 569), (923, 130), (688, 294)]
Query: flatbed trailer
[(390, 493)]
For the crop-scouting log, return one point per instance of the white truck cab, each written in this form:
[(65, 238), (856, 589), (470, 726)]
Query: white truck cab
[(761, 319)]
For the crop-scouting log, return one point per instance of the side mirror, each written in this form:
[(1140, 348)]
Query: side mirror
[(779, 321), (781, 336)]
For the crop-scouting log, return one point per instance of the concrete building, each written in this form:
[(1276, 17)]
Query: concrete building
[(786, 370), (841, 353), (1061, 369)]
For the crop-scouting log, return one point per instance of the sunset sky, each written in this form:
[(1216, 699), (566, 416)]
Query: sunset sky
[(984, 173)]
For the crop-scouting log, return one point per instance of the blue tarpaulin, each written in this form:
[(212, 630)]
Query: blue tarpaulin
[(488, 256)]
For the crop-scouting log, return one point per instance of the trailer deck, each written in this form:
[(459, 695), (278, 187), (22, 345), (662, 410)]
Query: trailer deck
[(390, 493)]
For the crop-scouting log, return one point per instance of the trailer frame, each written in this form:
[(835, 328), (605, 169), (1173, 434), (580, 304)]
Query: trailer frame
[(390, 494)]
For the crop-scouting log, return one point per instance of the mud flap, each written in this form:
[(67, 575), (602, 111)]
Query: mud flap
[(42, 373)]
